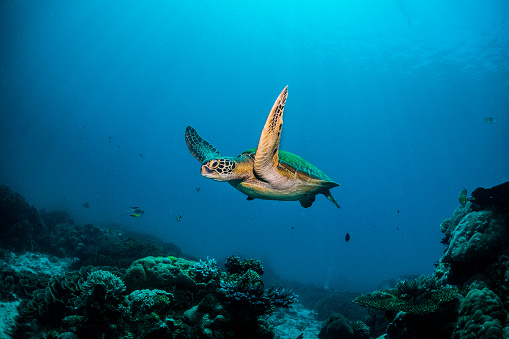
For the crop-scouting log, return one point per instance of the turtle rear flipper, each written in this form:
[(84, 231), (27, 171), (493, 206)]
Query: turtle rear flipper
[(199, 147), (307, 201), (310, 199), (329, 196)]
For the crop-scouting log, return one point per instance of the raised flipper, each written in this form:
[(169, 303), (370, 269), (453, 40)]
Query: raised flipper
[(200, 147), (267, 152)]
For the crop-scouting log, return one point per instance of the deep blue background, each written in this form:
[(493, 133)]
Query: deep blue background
[(389, 98)]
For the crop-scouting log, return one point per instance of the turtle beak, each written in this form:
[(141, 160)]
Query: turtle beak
[(205, 171), (208, 173), (211, 174)]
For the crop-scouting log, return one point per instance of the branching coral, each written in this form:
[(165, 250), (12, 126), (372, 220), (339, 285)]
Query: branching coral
[(206, 270), (235, 265), (247, 291)]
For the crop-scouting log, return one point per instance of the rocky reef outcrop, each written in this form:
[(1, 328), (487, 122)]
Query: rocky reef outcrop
[(467, 296)]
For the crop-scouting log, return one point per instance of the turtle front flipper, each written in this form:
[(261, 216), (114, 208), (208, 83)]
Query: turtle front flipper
[(267, 152), (199, 147)]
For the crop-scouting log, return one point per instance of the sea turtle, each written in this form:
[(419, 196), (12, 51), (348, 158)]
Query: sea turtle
[(265, 172)]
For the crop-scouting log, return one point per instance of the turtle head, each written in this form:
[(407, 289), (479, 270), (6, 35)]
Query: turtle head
[(219, 169)]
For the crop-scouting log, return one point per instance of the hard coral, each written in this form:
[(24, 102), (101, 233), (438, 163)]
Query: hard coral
[(142, 302), (416, 288), (206, 270), (476, 237), (110, 285), (339, 327), (482, 315), (235, 265), (68, 296), (246, 292), (413, 297), (159, 272)]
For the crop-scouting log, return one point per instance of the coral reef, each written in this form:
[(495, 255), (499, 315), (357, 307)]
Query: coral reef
[(154, 297), (420, 296), (494, 198), (113, 251), (160, 272), (139, 287), (244, 289), (21, 226), (114, 285), (481, 314), (475, 266), (477, 236), (206, 270), (339, 327), (235, 265)]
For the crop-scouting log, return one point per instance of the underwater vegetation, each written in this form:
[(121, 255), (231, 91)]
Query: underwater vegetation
[(467, 294)]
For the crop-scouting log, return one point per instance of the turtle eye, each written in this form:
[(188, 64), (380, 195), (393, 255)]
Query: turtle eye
[(213, 164)]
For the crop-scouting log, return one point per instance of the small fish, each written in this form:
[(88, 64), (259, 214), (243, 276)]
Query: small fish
[(347, 237), (86, 205), (140, 154), (398, 211), (179, 218), (489, 120), (462, 197), (135, 212), (292, 228), (197, 188)]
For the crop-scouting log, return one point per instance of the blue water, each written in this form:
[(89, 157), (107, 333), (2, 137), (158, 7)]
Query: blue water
[(389, 98)]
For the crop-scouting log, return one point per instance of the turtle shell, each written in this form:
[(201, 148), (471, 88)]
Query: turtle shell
[(295, 163)]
